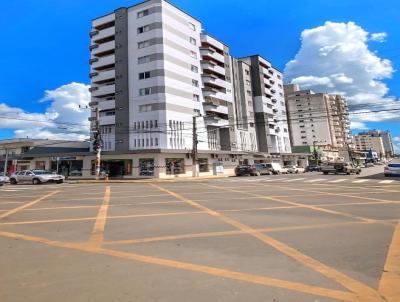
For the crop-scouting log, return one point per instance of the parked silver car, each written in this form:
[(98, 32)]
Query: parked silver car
[(35, 177), (392, 170), (4, 179)]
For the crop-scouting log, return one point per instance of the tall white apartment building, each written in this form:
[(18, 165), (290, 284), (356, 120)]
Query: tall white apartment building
[(153, 69), (317, 118), (269, 107)]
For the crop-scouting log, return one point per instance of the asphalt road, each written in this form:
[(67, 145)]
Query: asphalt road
[(305, 237)]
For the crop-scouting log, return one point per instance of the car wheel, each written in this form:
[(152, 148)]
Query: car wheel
[(348, 173), (36, 181), (13, 181), (59, 181), (325, 173), (358, 173)]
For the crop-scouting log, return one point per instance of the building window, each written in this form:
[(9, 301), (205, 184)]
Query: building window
[(175, 166), (248, 82), (151, 124), (197, 111), (249, 92), (156, 124), (144, 75), (193, 41), (196, 98), (193, 54), (195, 83), (195, 69), (146, 167), (203, 165), (147, 124), (247, 72), (143, 13), (143, 29), (145, 59), (144, 44), (192, 26), (145, 91), (156, 141)]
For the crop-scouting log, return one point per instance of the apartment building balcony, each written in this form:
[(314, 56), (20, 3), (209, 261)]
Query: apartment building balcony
[(104, 34), (104, 49), (104, 21), (215, 93), (206, 39), (107, 120), (211, 107), (106, 105), (103, 62), (214, 80), (100, 77), (103, 91), (216, 121), (209, 53), (210, 66)]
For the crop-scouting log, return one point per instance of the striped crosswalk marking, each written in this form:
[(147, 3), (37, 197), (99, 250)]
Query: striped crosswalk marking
[(315, 180), (360, 181), (386, 181), (338, 180), (293, 180)]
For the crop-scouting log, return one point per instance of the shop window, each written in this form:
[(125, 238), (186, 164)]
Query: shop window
[(146, 167), (203, 165), (40, 165), (175, 166)]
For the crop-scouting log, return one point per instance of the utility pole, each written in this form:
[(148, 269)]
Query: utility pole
[(97, 143), (5, 163), (315, 153), (194, 149)]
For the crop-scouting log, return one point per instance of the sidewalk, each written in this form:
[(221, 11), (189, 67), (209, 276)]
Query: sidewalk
[(138, 180)]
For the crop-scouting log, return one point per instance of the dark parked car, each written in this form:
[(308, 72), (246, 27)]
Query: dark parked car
[(313, 168), (252, 170)]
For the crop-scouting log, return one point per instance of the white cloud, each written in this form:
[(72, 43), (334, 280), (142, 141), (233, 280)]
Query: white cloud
[(63, 119), (358, 125), (378, 37), (335, 58)]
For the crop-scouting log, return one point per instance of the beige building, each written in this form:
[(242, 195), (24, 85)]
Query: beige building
[(317, 118), (367, 142)]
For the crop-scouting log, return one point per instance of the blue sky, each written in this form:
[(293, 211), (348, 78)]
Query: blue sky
[(45, 43)]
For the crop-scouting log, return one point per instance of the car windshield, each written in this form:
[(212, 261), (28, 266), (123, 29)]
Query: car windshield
[(41, 172), (394, 165)]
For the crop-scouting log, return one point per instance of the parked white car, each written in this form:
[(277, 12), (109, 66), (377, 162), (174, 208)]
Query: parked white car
[(295, 169), (392, 170), (4, 179), (35, 177), (276, 168)]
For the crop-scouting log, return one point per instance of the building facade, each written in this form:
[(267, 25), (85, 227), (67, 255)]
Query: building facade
[(317, 118), (375, 140), (153, 69)]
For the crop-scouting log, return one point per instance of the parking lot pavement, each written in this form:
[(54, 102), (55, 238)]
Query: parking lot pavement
[(234, 239)]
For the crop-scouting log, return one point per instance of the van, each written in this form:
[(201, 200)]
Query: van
[(276, 168)]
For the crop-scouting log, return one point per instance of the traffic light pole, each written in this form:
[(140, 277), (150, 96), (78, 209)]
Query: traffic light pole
[(98, 144), (194, 149)]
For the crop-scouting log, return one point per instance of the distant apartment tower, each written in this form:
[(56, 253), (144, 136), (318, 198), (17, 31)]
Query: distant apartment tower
[(376, 140), (153, 69), (269, 105), (317, 118)]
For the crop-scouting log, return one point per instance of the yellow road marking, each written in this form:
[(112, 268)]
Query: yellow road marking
[(214, 271), (94, 218), (389, 284), (235, 232), (311, 207), (367, 293), (97, 237), (111, 205), (13, 211)]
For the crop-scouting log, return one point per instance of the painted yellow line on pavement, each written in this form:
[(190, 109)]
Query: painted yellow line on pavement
[(209, 270), (367, 293), (235, 232), (389, 285), (109, 217), (29, 204), (98, 229)]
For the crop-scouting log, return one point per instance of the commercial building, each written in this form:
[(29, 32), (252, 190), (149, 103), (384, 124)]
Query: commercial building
[(375, 140), (66, 157), (317, 118)]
